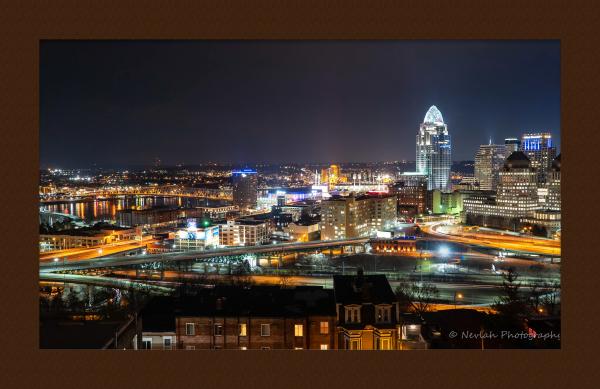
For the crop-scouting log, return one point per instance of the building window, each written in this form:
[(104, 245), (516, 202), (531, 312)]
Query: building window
[(324, 347), (243, 348), (324, 328), (190, 329), (297, 348), (355, 344), (218, 329), (298, 330), (190, 347), (167, 345), (383, 314), (352, 314), (265, 330), (243, 329), (147, 343)]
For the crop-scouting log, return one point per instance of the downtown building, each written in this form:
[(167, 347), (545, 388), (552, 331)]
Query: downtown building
[(196, 239), (489, 160), (411, 192), (353, 217), (434, 150), (244, 232), (541, 152), (547, 220), (516, 198), (245, 186), (511, 145)]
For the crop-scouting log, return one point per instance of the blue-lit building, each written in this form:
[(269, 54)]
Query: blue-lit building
[(541, 152), (244, 184), (434, 150)]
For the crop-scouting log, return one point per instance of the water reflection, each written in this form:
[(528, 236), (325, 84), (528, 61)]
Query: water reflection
[(106, 209)]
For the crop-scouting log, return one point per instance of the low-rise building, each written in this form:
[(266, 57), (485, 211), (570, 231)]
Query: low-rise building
[(369, 317), (259, 318), (244, 232), (303, 231), (195, 239), (394, 245), (157, 324)]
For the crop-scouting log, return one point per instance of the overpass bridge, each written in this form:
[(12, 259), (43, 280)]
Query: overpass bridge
[(228, 256), (118, 283)]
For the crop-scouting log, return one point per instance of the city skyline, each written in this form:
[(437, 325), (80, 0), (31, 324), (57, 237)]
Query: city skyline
[(274, 102)]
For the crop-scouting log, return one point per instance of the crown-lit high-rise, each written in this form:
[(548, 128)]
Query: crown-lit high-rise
[(434, 150)]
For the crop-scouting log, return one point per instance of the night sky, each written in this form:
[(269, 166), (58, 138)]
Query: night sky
[(123, 103)]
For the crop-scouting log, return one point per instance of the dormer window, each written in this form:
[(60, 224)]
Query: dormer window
[(352, 314), (383, 313)]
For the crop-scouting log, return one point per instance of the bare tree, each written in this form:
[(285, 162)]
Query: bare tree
[(418, 296), (551, 299), (511, 303)]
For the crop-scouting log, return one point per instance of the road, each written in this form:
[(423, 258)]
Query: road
[(96, 251), (178, 256), (508, 242), (470, 294)]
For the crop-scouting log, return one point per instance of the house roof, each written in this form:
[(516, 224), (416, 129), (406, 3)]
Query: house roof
[(359, 289)]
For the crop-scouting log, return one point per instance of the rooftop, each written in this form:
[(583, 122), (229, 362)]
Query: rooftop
[(358, 289)]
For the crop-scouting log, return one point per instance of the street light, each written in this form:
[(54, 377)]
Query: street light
[(457, 295)]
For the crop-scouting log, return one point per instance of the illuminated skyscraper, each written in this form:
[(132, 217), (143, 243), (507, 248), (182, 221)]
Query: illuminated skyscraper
[(512, 145), (244, 188), (434, 150), (488, 163), (540, 151)]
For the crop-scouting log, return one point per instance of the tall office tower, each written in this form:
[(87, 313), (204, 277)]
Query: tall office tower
[(517, 191), (488, 163), (244, 188), (512, 145), (517, 196), (553, 186), (540, 151), (434, 150), (352, 217)]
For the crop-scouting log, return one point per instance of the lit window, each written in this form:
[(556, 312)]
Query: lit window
[(324, 347), (324, 327), (243, 329), (298, 329)]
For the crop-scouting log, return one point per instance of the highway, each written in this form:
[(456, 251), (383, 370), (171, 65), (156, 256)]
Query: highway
[(508, 242), (114, 261), (106, 281), (96, 251)]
